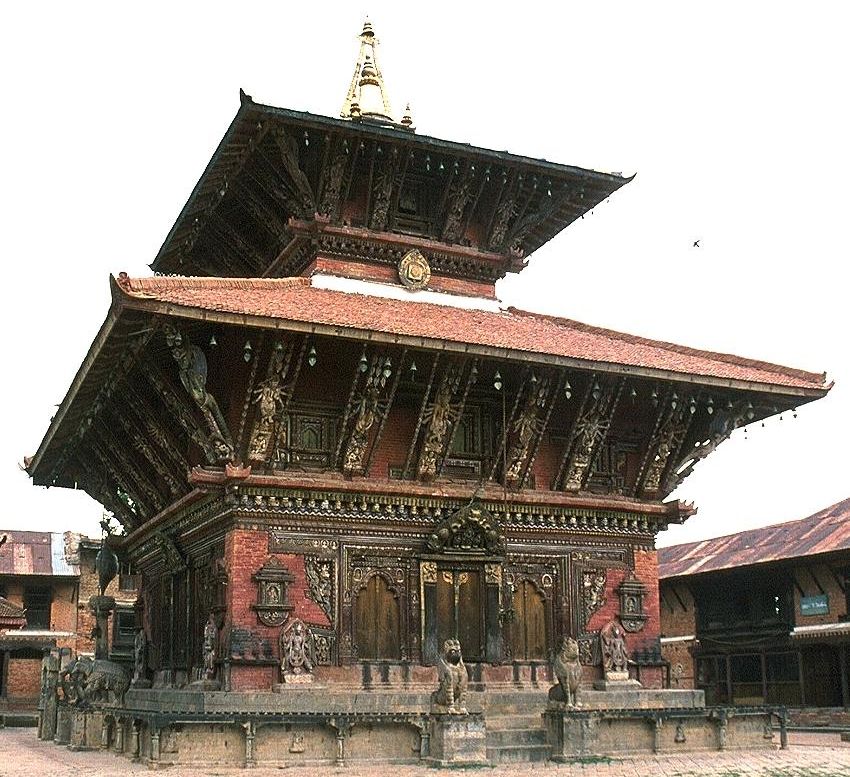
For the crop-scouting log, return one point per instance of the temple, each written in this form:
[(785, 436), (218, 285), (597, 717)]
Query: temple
[(333, 452)]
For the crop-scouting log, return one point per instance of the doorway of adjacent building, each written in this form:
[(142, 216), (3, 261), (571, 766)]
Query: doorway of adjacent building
[(821, 676)]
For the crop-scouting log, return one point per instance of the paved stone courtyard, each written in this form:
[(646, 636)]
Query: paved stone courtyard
[(811, 755)]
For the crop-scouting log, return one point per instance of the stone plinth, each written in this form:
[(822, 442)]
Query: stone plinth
[(458, 740), (634, 697), (86, 728), (202, 685), (580, 733), (64, 716)]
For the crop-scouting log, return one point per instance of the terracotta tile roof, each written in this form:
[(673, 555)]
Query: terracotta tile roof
[(11, 615), (824, 532), (294, 299)]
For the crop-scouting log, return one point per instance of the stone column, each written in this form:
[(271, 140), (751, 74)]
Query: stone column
[(119, 735), (250, 732), (154, 744), (102, 607), (135, 745)]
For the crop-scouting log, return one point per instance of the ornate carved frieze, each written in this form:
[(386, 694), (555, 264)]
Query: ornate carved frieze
[(592, 593), (175, 561), (268, 436), (192, 365), (320, 583), (526, 430), (323, 547), (157, 431), (272, 605), (472, 529), (589, 432), (428, 571)]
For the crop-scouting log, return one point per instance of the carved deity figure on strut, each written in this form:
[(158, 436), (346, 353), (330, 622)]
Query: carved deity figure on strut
[(209, 647), (297, 653)]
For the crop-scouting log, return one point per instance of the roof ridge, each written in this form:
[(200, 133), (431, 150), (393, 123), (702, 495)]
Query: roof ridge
[(155, 283), (740, 361)]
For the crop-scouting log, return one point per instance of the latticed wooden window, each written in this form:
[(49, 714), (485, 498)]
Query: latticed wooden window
[(37, 600)]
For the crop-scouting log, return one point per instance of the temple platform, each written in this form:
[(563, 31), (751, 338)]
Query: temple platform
[(309, 725)]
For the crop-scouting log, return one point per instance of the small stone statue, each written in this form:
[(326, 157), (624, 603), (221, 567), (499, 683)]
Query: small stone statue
[(297, 653), (614, 655), (210, 648), (450, 696), (568, 670), (140, 650)]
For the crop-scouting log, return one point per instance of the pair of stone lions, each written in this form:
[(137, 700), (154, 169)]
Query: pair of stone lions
[(453, 679)]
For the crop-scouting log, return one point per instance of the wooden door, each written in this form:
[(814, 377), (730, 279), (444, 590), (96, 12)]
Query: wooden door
[(528, 630), (459, 611), (376, 621), (821, 676)]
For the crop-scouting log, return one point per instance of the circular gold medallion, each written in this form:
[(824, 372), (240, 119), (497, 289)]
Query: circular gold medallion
[(413, 270)]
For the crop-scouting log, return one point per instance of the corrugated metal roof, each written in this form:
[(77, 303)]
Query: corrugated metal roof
[(824, 532), (35, 553)]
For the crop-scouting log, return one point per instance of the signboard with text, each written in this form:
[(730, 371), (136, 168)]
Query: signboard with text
[(814, 605)]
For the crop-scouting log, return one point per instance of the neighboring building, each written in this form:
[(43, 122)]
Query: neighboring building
[(46, 580), (318, 411), (762, 616)]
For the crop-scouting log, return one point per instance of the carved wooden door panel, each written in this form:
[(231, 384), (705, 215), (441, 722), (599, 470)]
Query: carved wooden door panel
[(528, 630), (459, 610), (376, 621)]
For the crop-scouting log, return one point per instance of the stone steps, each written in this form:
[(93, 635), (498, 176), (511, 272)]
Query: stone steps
[(516, 738)]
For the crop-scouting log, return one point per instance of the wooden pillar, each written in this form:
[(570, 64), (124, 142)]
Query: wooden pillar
[(800, 673), (845, 688), (728, 660), (763, 658)]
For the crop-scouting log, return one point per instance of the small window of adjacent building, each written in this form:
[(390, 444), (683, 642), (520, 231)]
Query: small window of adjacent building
[(37, 601), (124, 632), (128, 580)]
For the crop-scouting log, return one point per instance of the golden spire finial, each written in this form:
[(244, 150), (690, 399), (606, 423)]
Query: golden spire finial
[(367, 96), (407, 119)]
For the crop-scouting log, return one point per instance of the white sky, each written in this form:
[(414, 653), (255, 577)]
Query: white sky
[(734, 116)]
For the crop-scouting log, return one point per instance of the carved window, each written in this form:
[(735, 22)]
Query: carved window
[(413, 211), (312, 438), (610, 468), (471, 449)]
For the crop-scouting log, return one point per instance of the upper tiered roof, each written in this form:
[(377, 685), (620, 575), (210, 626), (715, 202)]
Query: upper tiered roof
[(284, 187)]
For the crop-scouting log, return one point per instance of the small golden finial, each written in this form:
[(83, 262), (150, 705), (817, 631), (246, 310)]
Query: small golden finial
[(407, 119)]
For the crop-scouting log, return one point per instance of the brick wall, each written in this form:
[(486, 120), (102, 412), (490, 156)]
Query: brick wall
[(678, 611), (246, 551), (23, 678)]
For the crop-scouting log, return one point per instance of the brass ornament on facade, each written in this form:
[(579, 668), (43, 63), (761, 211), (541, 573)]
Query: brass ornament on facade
[(414, 271)]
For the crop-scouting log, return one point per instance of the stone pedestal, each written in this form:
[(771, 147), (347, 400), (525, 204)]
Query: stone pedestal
[(616, 681), (63, 724), (458, 740)]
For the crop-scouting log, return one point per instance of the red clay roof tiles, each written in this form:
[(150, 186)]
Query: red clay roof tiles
[(294, 299)]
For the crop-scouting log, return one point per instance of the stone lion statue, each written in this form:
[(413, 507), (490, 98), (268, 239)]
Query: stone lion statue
[(567, 669), (453, 678)]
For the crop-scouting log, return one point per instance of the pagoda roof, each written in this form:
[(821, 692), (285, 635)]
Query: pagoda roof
[(296, 304), (244, 181), (827, 531)]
